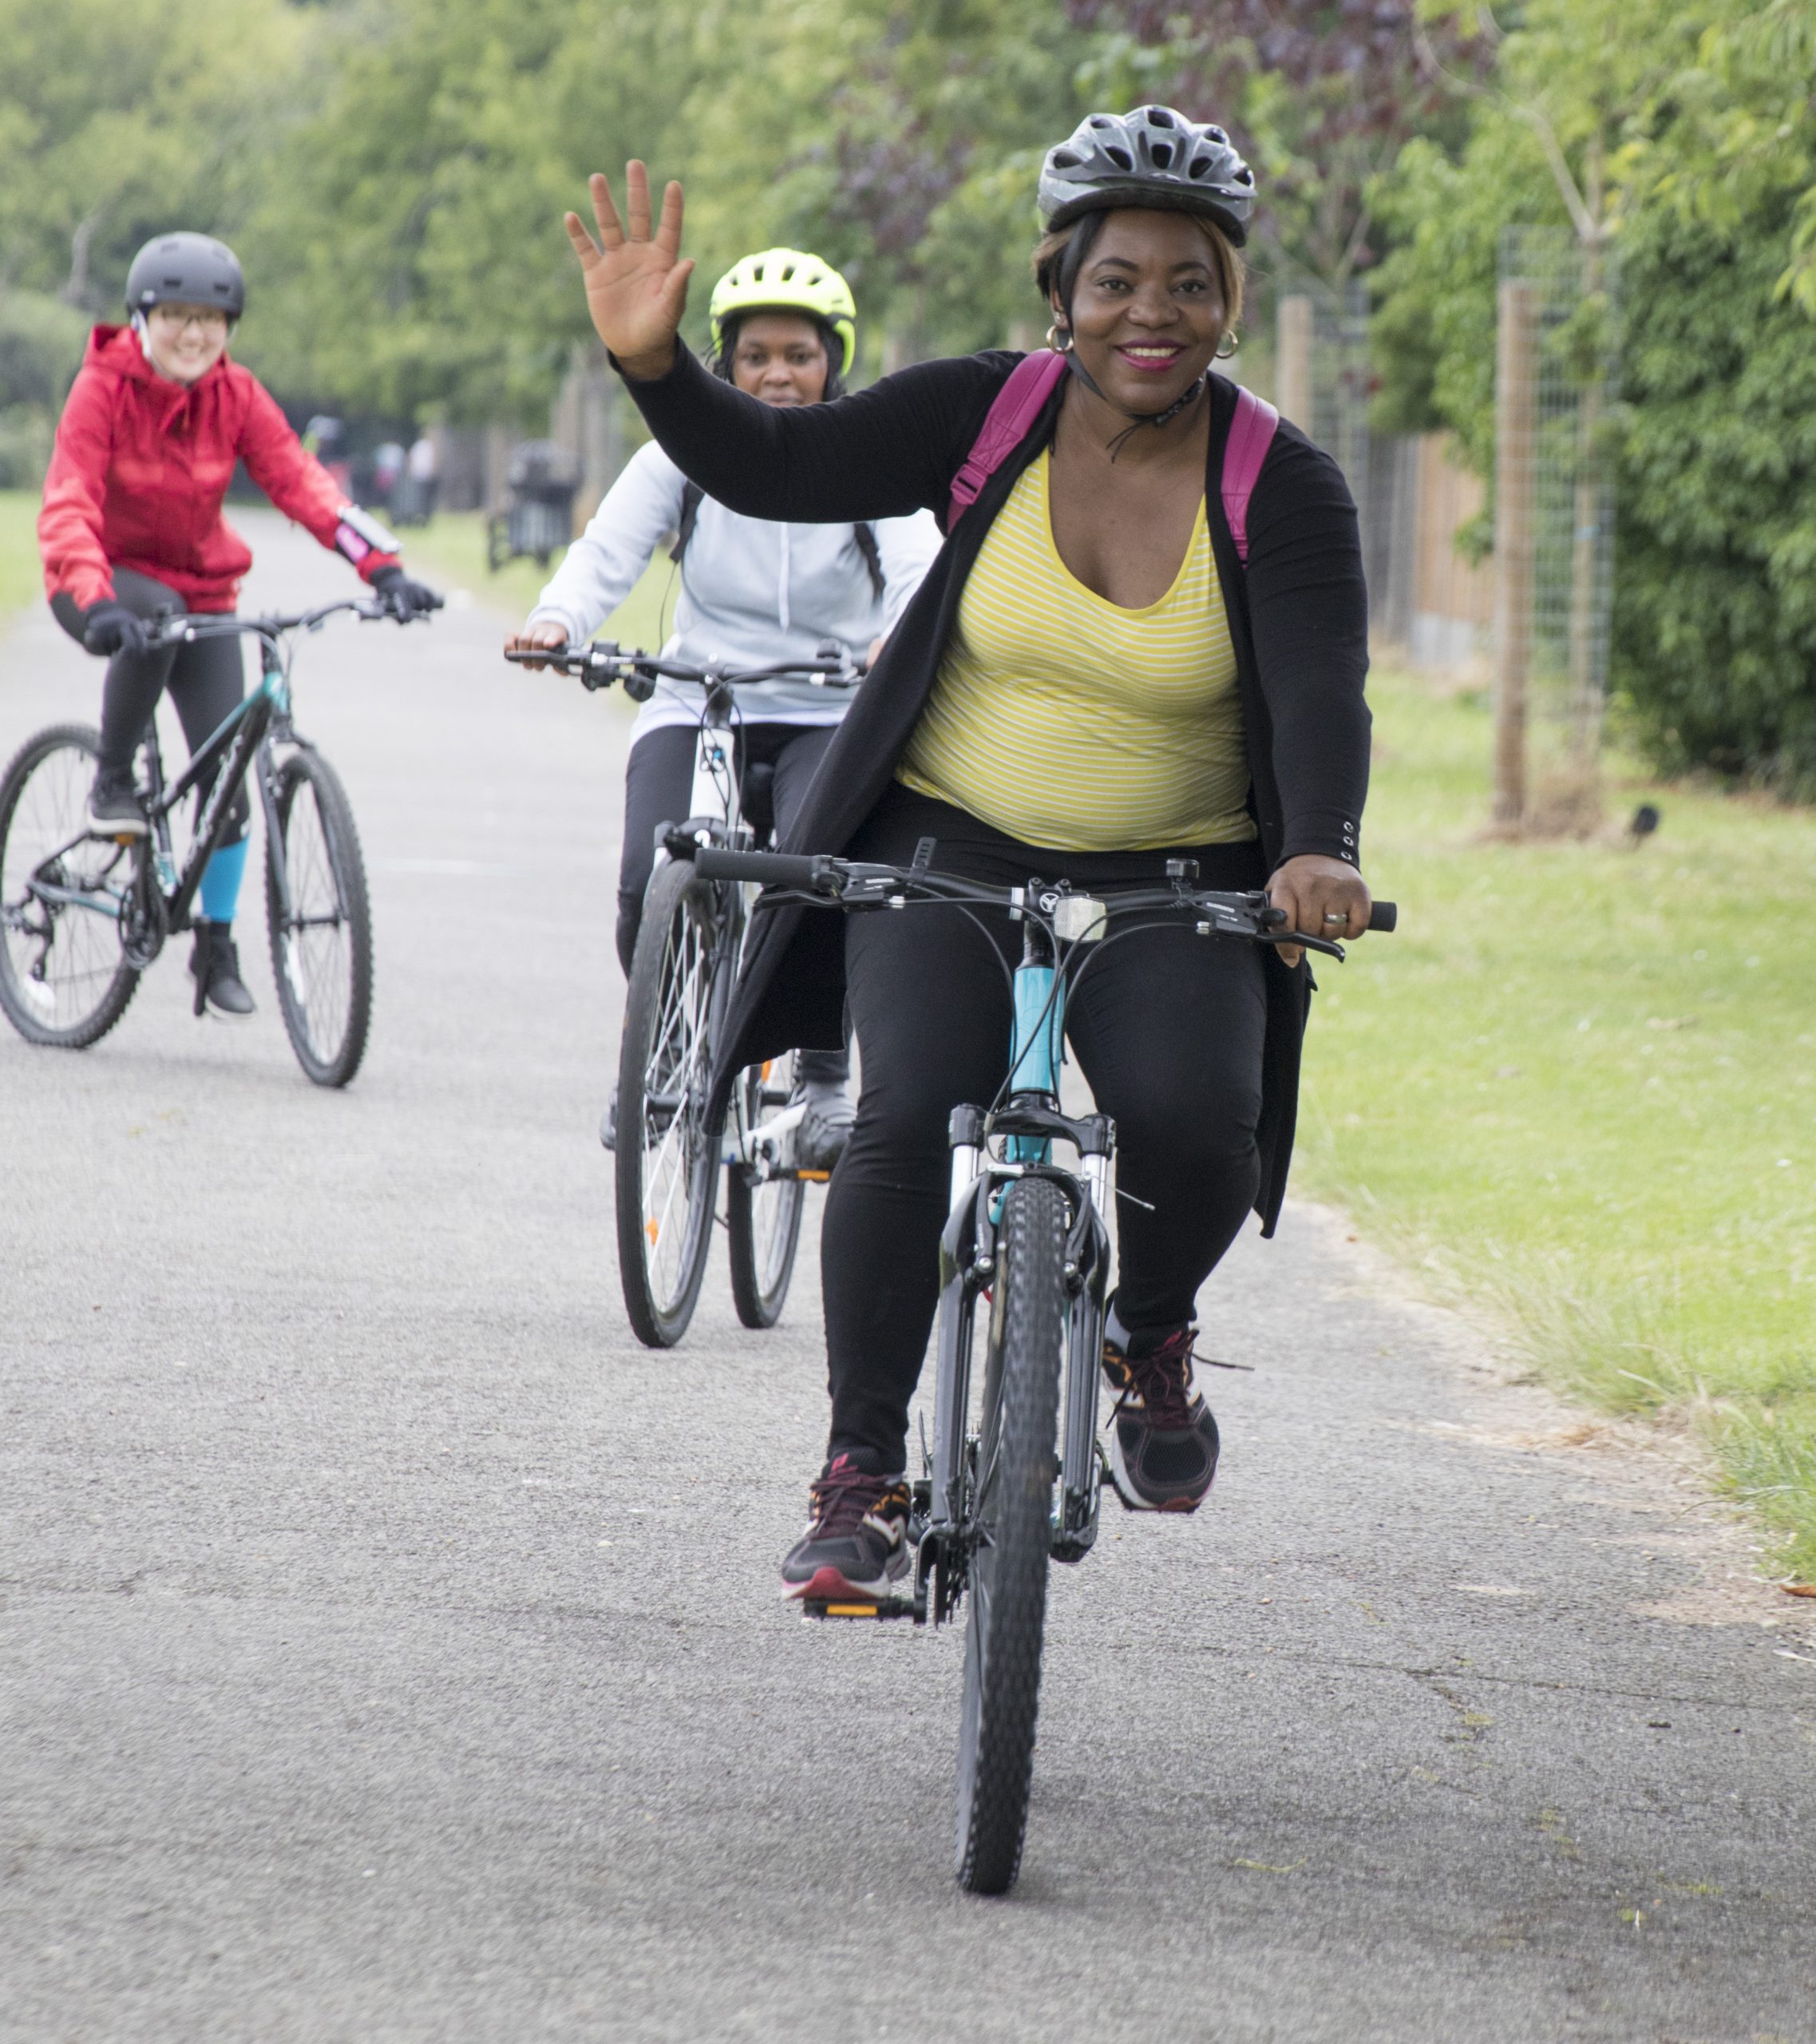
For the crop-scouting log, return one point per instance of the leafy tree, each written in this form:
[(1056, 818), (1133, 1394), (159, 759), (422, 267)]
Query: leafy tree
[(121, 118), (118, 118), (1321, 94), (1697, 144)]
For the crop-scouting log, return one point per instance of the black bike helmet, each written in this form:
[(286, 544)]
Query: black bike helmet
[(186, 269), (1152, 158)]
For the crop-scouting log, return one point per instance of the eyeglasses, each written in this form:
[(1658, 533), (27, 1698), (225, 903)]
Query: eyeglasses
[(205, 318)]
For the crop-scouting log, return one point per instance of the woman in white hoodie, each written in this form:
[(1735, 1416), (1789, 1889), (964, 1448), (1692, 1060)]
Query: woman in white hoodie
[(752, 591)]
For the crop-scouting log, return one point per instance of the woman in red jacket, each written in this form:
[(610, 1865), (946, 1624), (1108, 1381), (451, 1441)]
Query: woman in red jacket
[(132, 526)]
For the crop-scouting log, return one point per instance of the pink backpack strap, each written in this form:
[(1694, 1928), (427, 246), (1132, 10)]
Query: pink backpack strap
[(1251, 435), (1010, 421)]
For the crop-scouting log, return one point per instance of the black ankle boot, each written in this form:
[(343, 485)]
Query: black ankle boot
[(214, 964)]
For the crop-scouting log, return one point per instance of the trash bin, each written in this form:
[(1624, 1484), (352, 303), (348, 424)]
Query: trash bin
[(538, 517)]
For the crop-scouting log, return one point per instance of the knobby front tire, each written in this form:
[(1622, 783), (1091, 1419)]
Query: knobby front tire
[(667, 1157), (322, 951), (1009, 1521), (65, 981), (763, 1215)]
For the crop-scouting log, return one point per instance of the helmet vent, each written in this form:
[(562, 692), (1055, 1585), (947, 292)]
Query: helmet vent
[(1159, 116), (1101, 120), (1215, 135), (1245, 175), (1121, 158), (1162, 154), (1066, 159), (1197, 167)]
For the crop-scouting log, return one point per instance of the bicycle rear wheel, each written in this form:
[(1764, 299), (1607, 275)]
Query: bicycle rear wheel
[(763, 1214), (667, 1157), (65, 980), (322, 945), (1009, 1525)]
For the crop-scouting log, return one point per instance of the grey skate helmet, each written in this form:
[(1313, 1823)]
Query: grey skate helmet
[(186, 269), (1152, 158)]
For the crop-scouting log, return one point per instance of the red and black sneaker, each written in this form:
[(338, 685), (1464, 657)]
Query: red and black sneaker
[(856, 1545), (1163, 1442)]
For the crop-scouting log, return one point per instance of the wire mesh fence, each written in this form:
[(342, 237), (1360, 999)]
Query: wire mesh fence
[(1554, 527)]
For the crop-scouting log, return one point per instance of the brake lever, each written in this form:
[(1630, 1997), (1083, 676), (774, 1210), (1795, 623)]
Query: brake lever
[(1329, 945)]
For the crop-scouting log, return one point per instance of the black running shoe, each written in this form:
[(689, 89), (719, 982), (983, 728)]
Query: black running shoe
[(1163, 1445), (214, 964), (855, 1544), (114, 808)]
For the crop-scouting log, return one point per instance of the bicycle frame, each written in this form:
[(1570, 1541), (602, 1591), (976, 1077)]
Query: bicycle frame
[(228, 753), (1028, 1123), (715, 817)]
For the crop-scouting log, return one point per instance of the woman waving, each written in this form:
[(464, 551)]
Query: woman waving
[(1098, 673), (754, 592)]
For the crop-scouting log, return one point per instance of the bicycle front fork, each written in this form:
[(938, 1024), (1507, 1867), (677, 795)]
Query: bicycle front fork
[(968, 1265)]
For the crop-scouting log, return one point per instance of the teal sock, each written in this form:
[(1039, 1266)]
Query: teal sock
[(220, 883)]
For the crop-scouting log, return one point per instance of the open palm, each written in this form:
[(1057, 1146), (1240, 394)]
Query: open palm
[(636, 281)]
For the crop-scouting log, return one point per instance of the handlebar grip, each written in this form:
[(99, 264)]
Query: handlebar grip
[(769, 869), (1384, 915)]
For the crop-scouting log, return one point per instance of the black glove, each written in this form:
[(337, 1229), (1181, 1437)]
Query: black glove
[(111, 628), (403, 598)]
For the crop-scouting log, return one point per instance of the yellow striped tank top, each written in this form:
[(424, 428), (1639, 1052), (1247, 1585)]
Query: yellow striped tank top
[(1070, 723)]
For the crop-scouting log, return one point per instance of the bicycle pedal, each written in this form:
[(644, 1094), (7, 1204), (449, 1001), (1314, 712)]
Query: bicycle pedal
[(880, 1607)]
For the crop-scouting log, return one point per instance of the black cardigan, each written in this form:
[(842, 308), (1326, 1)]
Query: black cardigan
[(1298, 617)]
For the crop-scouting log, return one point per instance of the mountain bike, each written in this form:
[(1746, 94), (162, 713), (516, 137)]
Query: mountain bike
[(667, 1157), (1014, 1474), (83, 914)]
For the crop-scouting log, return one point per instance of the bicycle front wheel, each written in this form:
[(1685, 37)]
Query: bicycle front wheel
[(1009, 1529), (65, 980), (319, 920), (762, 1214), (668, 1156)]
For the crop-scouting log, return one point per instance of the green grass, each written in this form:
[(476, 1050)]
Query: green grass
[(21, 580), (1579, 1087), (451, 549)]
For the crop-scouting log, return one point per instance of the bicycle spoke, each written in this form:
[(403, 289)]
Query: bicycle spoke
[(62, 957)]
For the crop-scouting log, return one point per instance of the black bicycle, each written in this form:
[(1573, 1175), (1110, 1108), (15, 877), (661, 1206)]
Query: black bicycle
[(1014, 1475), (82, 914), (689, 945)]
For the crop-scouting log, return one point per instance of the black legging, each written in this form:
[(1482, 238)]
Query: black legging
[(658, 784), (659, 781), (1167, 1027), (206, 680)]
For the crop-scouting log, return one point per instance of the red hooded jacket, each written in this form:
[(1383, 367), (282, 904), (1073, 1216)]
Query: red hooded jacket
[(141, 465)]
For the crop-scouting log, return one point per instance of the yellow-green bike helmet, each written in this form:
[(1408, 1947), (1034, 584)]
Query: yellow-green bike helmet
[(786, 280)]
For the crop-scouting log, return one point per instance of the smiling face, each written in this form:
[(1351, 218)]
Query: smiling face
[(1148, 308), (780, 356), (186, 340)]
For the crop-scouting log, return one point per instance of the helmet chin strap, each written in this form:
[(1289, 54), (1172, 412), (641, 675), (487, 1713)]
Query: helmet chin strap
[(1136, 419)]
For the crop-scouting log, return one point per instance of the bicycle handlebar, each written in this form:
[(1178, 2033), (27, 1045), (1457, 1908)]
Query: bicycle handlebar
[(184, 626), (599, 663), (767, 869), (849, 883)]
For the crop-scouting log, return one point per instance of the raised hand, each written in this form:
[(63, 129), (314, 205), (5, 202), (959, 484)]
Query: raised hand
[(636, 281)]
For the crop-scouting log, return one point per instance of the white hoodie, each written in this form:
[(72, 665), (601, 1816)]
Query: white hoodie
[(752, 590)]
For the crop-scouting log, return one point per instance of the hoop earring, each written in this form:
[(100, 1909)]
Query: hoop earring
[(1227, 346), (1064, 345)]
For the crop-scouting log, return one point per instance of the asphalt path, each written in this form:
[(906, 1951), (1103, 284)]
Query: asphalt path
[(390, 1647)]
